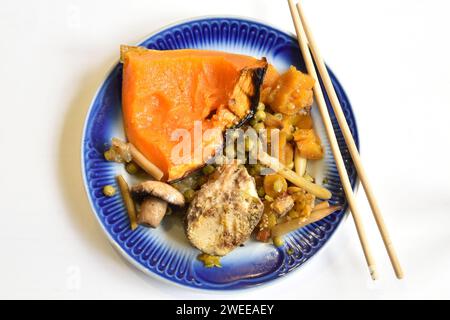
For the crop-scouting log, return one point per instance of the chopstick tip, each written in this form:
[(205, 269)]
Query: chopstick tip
[(373, 273)]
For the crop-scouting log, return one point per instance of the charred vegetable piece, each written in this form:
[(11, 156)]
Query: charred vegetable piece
[(164, 91)]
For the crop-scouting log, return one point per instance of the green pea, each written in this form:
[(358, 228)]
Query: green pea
[(109, 191), (260, 115), (261, 192), (207, 170), (261, 107), (109, 155), (131, 168), (278, 241), (259, 126)]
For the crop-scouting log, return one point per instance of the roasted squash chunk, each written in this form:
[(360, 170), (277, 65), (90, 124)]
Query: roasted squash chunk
[(309, 144), (169, 96), (239, 61), (291, 92)]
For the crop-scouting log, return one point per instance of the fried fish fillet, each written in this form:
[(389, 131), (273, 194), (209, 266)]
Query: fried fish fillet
[(224, 211)]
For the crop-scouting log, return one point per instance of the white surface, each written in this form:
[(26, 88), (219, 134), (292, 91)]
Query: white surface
[(392, 58)]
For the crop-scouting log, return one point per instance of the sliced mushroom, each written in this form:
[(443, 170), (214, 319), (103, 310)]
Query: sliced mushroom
[(154, 197)]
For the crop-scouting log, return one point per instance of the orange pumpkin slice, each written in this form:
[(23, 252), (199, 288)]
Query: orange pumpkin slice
[(176, 105), (239, 61)]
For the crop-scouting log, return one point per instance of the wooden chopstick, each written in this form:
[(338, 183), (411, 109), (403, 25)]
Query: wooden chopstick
[(351, 145), (333, 141)]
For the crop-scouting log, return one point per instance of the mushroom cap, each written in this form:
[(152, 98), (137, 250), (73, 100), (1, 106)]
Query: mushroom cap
[(158, 189)]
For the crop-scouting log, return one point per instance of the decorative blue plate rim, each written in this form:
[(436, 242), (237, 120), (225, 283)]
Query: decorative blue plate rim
[(201, 283)]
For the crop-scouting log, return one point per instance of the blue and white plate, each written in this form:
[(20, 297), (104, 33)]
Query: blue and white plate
[(165, 251)]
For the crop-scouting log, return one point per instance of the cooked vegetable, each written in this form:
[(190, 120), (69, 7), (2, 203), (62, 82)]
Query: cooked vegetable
[(260, 115), (169, 96), (279, 116), (308, 177), (308, 143), (238, 61), (278, 186), (126, 152), (189, 195), (259, 126), (158, 189), (261, 192), (263, 235), (322, 205), (128, 201), (286, 227), (292, 190), (281, 145), (303, 203), (109, 155), (291, 92), (208, 169), (291, 176), (272, 121), (299, 163), (278, 241), (209, 261), (224, 211), (119, 151), (274, 185), (154, 197), (109, 191), (281, 205), (288, 156), (271, 220), (145, 164), (131, 168), (303, 121), (151, 212), (249, 144), (213, 89)]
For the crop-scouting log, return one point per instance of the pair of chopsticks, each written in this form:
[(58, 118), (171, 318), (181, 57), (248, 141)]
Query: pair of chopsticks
[(308, 46)]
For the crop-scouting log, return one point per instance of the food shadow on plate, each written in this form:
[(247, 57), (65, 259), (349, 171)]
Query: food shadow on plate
[(69, 165)]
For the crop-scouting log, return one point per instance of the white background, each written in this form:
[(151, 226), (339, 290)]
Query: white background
[(392, 57)]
